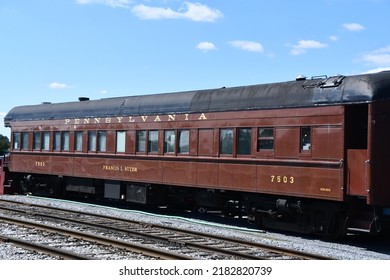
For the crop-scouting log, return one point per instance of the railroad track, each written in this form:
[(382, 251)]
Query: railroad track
[(52, 234), (45, 249), (181, 243)]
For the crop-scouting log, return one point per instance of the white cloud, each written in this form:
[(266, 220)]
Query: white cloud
[(146, 12), (55, 85), (376, 70), (380, 57), (199, 12), (247, 46), (334, 38), (304, 45), (111, 3), (206, 46), (353, 26), (190, 11), (377, 59)]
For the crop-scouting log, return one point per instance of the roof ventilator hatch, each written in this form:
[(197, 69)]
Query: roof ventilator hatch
[(324, 82)]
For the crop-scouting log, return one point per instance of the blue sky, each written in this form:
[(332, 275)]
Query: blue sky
[(59, 50)]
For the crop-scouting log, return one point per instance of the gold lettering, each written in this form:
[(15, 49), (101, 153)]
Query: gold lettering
[(325, 189), (131, 169), (111, 167), (132, 119), (202, 117), (119, 168), (282, 179)]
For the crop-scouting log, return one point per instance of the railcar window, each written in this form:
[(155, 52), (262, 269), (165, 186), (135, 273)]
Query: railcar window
[(305, 138), (78, 141), (120, 141), (24, 140), (65, 141), (16, 139), (57, 141), (153, 141), (184, 141), (102, 141), (265, 139), (169, 141), (92, 141), (37, 141), (45, 141), (244, 141), (141, 141), (226, 141)]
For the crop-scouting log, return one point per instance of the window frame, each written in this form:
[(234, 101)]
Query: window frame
[(228, 141), (92, 141), (305, 139), (65, 141), (78, 141), (45, 141), (57, 137), (153, 141), (169, 144), (37, 141), (244, 148), (180, 144), (267, 139), (140, 141), (120, 145), (101, 141), (24, 141), (16, 141)]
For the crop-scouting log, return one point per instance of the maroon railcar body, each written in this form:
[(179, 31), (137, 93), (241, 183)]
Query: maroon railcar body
[(308, 155)]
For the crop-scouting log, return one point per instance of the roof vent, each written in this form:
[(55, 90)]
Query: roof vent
[(300, 78), (83, 99)]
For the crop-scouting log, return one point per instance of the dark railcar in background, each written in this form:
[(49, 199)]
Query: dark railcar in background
[(305, 155)]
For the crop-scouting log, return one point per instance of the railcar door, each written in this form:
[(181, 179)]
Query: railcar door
[(356, 139), (379, 151)]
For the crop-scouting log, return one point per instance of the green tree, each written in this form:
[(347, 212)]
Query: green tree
[(4, 144)]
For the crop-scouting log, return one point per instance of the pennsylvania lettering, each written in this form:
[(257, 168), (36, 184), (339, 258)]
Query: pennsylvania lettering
[(137, 119)]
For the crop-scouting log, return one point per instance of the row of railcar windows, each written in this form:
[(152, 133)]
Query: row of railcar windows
[(147, 141)]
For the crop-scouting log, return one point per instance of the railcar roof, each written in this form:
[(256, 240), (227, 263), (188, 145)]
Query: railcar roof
[(292, 94)]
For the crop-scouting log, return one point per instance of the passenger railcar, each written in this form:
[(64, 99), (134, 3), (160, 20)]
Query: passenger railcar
[(310, 155)]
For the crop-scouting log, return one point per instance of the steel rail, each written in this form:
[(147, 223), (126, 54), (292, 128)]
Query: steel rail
[(48, 250), (137, 248), (196, 234)]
